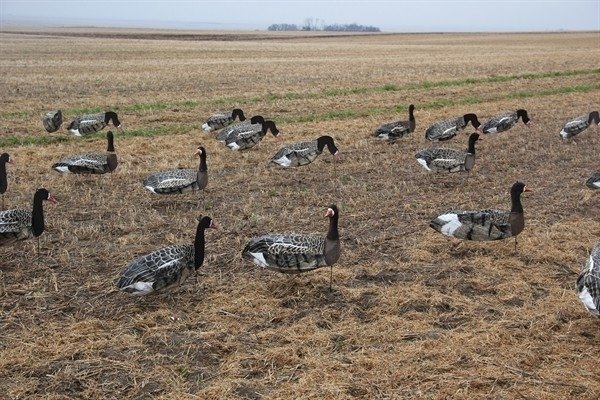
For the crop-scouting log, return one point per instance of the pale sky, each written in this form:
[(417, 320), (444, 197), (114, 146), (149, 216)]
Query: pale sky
[(389, 16)]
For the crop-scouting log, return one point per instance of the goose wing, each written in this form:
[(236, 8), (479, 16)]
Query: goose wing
[(233, 130), (500, 123), (481, 225), (14, 225), (575, 126), (296, 154), (588, 283), (393, 130), (171, 181), (82, 163), (287, 253), (441, 160), (593, 181)]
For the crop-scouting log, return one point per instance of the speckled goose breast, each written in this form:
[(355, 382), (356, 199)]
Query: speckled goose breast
[(588, 283), (52, 121), (15, 225)]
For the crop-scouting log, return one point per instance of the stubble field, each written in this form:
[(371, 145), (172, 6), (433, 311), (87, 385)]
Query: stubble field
[(412, 314)]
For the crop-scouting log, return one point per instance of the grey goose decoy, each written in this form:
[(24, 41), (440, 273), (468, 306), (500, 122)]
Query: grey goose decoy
[(447, 129), (90, 163), (179, 180), (448, 160), (395, 130), (52, 121), (296, 253), (4, 158), (92, 123), (593, 181), (579, 124), (251, 135), (223, 118), (487, 224), (303, 153), (167, 267), (504, 122), (238, 127), (588, 283)]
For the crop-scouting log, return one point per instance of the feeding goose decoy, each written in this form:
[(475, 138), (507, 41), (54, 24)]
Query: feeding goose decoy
[(4, 158), (167, 267), (19, 224), (447, 129), (588, 283), (52, 121), (398, 129), (251, 135), (92, 123), (487, 224), (296, 253), (449, 160), (303, 153), (504, 122), (593, 181), (90, 163), (579, 124), (179, 180), (238, 127), (223, 118)]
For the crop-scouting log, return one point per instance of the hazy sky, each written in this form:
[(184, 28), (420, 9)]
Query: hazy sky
[(400, 15)]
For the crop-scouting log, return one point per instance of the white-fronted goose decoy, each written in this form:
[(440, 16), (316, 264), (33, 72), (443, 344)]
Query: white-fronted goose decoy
[(504, 122), (52, 121), (4, 158), (251, 136), (395, 130), (593, 181), (297, 253), (577, 125), (588, 283), (303, 153), (239, 127), (223, 118), (179, 180), (447, 129), (167, 267), (448, 160), (487, 224), (92, 123), (90, 163)]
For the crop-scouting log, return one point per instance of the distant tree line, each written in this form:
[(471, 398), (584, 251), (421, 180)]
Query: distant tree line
[(311, 24)]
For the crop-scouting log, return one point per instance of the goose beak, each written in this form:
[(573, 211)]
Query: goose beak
[(11, 160), (329, 213), (526, 189), (52, 199), (337, 156), (214, 225)]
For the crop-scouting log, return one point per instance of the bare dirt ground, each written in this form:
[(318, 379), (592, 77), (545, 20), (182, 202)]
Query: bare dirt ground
[(412, 314)]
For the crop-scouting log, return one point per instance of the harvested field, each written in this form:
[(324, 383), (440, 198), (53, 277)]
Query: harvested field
[(412, 313)]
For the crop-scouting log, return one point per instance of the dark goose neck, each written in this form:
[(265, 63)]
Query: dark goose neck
[(111, 158), (199, 244), (111, 116), (239, 114), (3, 180), (411, 117), (332, 233), (326, 141), (473, 119), (37, 215), (515, 197), (203, 167), (594, 117), (523, 115)]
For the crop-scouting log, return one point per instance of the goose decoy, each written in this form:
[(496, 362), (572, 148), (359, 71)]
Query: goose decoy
[(447, 129), (52, 121), (90, 163), (238, 127), (4, 158), (449, 160), (167, 267), (92, 123), (588, 283), (221, 119), (251, 136), (19, 224), (303, 153), (577, 125), (396, 130), (504, 122), (593, 181), (179, 180), (295, 253), (487, 224)]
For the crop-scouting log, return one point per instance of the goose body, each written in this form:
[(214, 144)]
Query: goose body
[(303, 153), (447, 129), (92, 123), (166, 267), (179, 180), (52, 121), (223, 118), (448, 160), (489, 224), (588, 283), (395, 130), (593, 181), (240, 127), (90, 163), (504, 122), (579, 124), (250, 136)]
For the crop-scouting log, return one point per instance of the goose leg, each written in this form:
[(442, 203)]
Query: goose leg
[(330, 277), (2, 201), (515, 243)]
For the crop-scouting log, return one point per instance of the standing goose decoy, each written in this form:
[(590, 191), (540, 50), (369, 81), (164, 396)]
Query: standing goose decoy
[(447, 129), (179, 180), (449, 160), (294, 253), (92, 123), (588, 283), (90, 163), (251, 135), (167, 267), (487, 224), (52, 121), (4, 158), (504, 122), (221, 119), (577, 125), (396, 130), (236, 128), (593, 181), (304, 153)]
